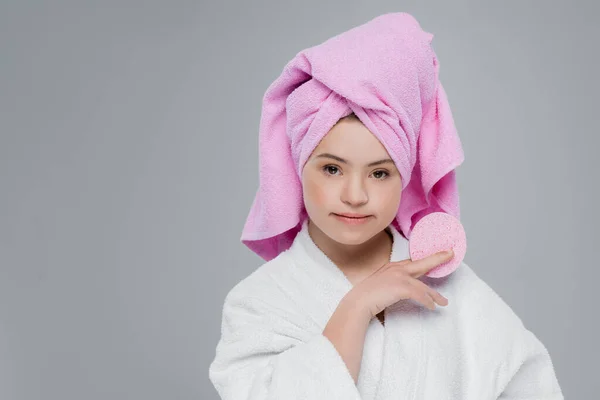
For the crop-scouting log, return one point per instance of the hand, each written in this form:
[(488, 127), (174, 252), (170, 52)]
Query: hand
[(396, 281)]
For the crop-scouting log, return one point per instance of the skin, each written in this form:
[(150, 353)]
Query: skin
[(331, 186), (360, 251)]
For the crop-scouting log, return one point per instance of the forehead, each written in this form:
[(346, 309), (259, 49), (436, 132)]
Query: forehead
[(351, 139)]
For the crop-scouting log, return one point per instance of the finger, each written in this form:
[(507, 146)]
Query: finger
[(391, 264), (435, 295), (423, 298), (424, 265)]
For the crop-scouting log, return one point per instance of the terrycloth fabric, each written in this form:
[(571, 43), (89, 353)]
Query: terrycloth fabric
[(272, 346), (386, 72)]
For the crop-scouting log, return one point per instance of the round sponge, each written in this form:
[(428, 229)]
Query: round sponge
[(437, 232)]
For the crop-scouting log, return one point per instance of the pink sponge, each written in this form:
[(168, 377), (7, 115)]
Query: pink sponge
[(436, 232)]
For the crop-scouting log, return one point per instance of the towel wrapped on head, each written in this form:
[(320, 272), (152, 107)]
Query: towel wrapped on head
[(384, 71)]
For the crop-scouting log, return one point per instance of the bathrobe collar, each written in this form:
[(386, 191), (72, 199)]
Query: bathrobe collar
[(393, 353), (400, 251)]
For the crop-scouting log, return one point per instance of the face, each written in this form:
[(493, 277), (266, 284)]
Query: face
[(340, 177)]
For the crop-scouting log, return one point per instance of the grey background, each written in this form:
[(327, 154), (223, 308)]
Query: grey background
[(128, 163)]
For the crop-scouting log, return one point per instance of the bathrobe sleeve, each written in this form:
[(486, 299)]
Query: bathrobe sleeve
[(509, 357), (263, 355), (531, 371)]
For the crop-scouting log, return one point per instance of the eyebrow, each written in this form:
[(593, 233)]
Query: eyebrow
[(374, 163)]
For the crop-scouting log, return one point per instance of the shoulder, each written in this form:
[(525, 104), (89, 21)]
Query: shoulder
[(260, 303), (502, 341), (490, 322), (482, 303), (266, 296), (261, 284)]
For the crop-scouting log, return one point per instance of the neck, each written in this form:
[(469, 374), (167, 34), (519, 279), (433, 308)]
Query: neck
[(354, 259)]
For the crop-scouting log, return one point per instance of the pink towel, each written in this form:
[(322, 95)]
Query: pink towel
[(386, 72)]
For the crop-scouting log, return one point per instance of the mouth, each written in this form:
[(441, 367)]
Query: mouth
[(349, 215), (352, 218)]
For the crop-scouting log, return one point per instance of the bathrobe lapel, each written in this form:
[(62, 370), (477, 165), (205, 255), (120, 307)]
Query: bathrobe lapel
[(390, 366)]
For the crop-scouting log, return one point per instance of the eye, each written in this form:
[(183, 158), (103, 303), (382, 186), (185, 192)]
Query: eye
[(381, 171), (328, 169)]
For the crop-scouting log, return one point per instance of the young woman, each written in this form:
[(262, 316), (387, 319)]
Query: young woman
[(357, 143)]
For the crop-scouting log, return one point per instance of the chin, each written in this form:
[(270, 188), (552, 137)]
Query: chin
[(351, 236)]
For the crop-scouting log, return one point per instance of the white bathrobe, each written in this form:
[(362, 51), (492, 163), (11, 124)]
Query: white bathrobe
[(272, 346)]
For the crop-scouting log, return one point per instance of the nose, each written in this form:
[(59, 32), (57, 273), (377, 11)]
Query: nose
[(354, 192)]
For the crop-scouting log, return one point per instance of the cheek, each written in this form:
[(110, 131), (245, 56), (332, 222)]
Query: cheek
[(390, 198), (315, 193)]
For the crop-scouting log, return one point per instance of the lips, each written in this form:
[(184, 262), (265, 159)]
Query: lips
[(357, 216), (352, 219)]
